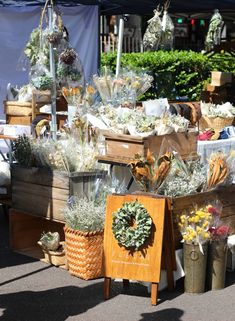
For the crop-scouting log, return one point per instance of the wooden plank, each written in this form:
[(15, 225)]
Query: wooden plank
[(39, 206), (40, 176), (126, 146), (18, 120), (35, 190), (26, 229), (145, 264)]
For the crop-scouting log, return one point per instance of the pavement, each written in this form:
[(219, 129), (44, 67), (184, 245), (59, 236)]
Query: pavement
[(31, 290)]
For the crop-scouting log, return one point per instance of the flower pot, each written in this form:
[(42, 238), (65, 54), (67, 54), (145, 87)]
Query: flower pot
[(84, 251), (57, 257), (217, 259), (194, 267)]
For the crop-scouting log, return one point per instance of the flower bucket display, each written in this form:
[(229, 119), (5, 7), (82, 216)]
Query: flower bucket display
[(217, 259), (218, 249), (194, 227), (195, 267), (84, 251)]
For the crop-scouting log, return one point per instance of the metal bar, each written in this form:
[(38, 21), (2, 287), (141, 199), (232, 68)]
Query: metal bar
[(52, 71), (120, 41)]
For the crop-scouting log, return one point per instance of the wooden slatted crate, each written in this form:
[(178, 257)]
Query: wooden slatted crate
[(224, 194), (45, 193), (126, 146)]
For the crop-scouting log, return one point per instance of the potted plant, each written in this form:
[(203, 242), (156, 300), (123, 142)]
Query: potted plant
[(84, 231), (194, 227), (53, 249)]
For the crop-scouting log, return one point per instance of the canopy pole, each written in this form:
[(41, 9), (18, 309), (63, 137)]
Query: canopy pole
[(120, 42), (52, 71)]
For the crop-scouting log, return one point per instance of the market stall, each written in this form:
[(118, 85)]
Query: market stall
[(59, 171)]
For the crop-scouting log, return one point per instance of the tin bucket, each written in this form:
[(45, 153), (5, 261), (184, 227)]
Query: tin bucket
[(217, 260), (195, 268)]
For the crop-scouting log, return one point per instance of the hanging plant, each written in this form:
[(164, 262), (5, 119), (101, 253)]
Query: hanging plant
[(131, 225), (68, 56)]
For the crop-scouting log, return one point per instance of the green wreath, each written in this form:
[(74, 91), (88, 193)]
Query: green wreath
[(131, 225)]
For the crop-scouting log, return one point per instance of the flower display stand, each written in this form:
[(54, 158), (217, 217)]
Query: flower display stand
[(45, 193)]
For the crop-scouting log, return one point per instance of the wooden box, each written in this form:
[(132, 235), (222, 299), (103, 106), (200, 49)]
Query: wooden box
[(220, 78), (26, 229), (45, 193), (126, 146), (224, 194)]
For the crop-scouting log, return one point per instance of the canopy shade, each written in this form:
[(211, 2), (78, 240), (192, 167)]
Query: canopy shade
[(137, 6)]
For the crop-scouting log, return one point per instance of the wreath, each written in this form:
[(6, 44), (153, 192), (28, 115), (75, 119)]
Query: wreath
[(131, 225)]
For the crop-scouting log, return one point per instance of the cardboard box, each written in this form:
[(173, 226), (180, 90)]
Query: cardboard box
[(220, 78)]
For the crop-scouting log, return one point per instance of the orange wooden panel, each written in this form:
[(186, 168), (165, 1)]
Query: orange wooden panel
[(144, 264)]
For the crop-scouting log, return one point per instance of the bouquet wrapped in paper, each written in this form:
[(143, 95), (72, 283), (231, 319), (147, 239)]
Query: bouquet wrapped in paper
[(122, 90)]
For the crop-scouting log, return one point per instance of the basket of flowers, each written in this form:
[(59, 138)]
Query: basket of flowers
[(84, 237)]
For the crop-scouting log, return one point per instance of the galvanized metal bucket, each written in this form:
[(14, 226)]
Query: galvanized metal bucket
[(195, 267), (217, 259)]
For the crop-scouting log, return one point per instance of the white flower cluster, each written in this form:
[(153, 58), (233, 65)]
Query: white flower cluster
[(136, 122), (84, 215), (225, 110)]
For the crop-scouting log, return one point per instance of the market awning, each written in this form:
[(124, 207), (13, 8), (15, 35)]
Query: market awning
[(137, 6)]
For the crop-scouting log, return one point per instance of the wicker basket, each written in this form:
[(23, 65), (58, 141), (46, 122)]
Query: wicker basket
[(56, 258), (216, 123), (84, 251)]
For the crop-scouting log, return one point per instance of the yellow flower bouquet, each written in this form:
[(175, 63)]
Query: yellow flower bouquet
[(194, 226)]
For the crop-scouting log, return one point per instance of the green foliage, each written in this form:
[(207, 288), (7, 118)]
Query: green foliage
[(22, 151), (32, 49), (42, 82), (176, 73), (131, 225)]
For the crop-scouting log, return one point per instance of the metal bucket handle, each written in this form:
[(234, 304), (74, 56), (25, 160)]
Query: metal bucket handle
[(194, 255)]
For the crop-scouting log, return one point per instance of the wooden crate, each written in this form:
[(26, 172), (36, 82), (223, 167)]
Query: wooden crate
[(45, 193), (220, 78), (126, 146), (224, 194), (26, 229)]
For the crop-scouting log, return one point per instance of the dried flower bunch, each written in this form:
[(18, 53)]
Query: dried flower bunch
[(73, 95), (194, 226), (68, 155), (184, 178), (84, 215), (218, 229), (218, 169), (68, 56), (124, 89), (226, 110), (137, 123), (150, 172)]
